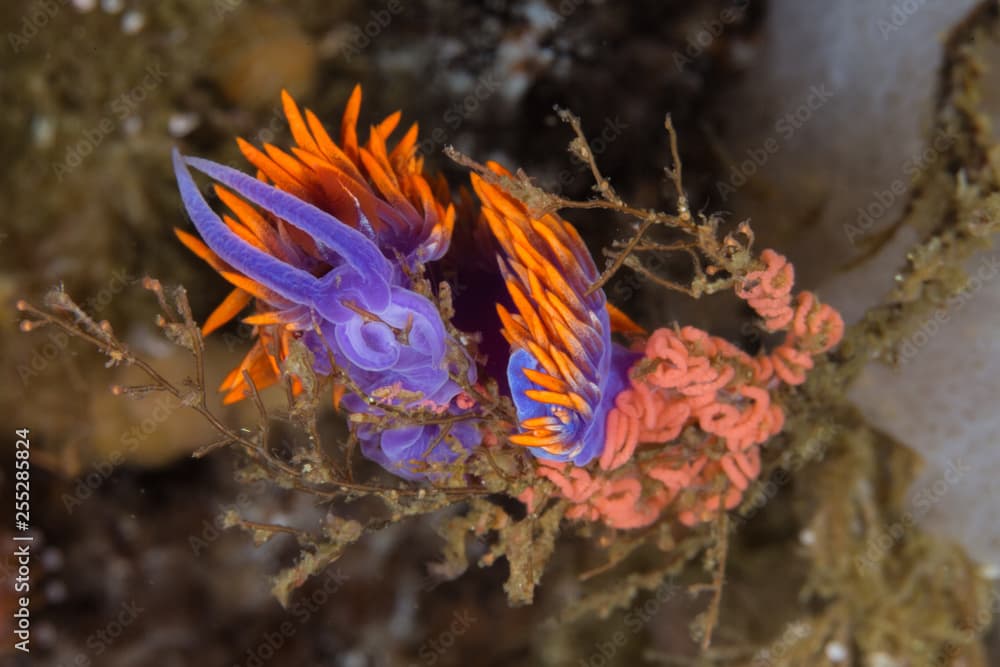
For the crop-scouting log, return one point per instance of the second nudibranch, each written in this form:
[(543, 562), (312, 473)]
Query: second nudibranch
[(564, 370)]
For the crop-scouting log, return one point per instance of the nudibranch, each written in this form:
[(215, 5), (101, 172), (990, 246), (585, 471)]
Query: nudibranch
[(564, 370), (325, 241), (329, 241)]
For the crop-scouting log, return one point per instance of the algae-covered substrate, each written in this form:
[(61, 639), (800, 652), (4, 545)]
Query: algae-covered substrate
[(169, 529)]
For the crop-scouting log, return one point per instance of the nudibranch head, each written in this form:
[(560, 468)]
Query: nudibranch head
[(325, 240), (564, 370)]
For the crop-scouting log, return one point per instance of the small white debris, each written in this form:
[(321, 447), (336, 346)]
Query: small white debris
[(449, 48), (55, 592), (84, 6), (459, 83), (181, 124), (132, 126), (807, 537), (133, 22), (836, 652), (43, 131), (990, 571), (46, 634), (353, 659), (743, 53), (52, 559), (540, 16), (112, 6), (882, 660)]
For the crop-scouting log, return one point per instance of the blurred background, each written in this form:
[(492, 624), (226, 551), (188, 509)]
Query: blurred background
[(812, 119)]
